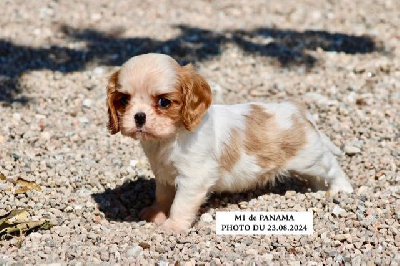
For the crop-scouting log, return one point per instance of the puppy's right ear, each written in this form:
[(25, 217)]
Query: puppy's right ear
[(113, 123)]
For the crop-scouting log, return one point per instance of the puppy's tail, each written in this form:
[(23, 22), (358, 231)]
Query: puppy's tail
[(328, 143), (325, 140)]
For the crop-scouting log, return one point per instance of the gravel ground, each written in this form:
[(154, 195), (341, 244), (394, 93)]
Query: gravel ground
[(340, 57)]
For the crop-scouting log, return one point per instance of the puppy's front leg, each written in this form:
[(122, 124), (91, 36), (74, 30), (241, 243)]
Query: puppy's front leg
[(190, 194), (159, 210)]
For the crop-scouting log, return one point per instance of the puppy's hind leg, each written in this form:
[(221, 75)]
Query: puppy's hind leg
[(326, 168), (335, 176), (318, 162)]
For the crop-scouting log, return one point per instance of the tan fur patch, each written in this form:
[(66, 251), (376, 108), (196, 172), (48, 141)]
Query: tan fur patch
[(231, 153), (264, 139), (272, 146)]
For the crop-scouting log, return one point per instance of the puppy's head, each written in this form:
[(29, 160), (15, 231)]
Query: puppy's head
[(151, 96)]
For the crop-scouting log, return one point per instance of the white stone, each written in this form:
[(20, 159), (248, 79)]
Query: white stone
[(161, 263), (362, 190), (351, 150), (267, 257), (133, 163), (206, 217), (87, 102), (320, 99), (35, 235), (83, 120), (294, 263), (45, 135), (95, 16), (98, 71), (356, 261), (134, 251), (337, 210), (17, 116), (39, 116)]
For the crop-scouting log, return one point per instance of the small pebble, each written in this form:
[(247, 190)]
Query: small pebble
[(338, 211), (134, 251), (351, 150), (206, 217), (87, 103)]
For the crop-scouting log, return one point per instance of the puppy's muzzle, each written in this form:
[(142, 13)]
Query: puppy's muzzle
[(140, 119)]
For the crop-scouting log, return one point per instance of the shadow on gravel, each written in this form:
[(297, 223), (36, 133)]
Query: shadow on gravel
[(126, 201), (286, 48)]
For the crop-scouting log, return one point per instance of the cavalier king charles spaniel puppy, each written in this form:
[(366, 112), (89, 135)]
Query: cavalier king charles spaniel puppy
[(195, 148)]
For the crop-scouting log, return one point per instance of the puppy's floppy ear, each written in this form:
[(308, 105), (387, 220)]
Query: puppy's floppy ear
[(112, 125), (196, 96)]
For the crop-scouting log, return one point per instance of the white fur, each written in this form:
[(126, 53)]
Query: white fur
[(283, 112)]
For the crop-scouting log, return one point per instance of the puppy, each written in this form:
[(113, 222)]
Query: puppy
[(195, 148)]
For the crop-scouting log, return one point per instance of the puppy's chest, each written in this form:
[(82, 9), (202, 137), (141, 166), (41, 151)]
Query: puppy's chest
[(162, 166)]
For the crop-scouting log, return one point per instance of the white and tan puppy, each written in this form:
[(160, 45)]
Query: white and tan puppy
[(195, 148)]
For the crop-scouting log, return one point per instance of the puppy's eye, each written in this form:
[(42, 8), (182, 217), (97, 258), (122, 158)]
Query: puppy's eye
[(163, 102), (124, 100)]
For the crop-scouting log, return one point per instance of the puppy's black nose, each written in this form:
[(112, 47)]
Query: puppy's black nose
[(140, 119)]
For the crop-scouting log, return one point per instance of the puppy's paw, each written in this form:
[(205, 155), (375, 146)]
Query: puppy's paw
[(174, 226), (340, 185), (335, 189), (153, 214)]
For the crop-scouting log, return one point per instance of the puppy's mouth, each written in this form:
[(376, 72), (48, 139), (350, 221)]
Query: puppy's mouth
[(140, 134)]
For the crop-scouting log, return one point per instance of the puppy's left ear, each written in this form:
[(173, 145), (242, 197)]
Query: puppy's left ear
[(113, 123), (196, 96)]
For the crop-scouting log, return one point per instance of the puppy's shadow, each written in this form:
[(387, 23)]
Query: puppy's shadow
[(126, 201), (295, 182)]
